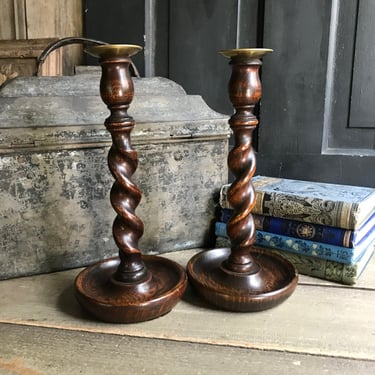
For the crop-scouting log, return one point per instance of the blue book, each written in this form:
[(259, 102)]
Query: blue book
[(315, 249), (308, 231), (221, 229), (321, 268), (329, 269), (335, 205)]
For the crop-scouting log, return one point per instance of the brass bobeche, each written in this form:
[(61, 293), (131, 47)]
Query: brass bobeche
[(252, 53), (114, 50)]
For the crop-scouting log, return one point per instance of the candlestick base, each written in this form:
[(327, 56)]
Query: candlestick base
[(119, 302), (270, 280)]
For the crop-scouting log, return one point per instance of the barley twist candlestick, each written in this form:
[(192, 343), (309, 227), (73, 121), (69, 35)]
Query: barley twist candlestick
[(243, 278), (132, 287)]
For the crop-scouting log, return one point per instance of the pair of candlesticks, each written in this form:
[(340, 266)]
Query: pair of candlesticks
[(135, 287)]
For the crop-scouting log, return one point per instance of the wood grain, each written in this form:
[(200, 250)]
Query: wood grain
[(46, 18), (330, 320), (21, 56), (45, 351), (36, 19), (8, 20)]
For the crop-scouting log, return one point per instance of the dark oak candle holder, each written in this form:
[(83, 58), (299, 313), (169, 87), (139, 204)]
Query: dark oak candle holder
[(244, 277), (132, 287)]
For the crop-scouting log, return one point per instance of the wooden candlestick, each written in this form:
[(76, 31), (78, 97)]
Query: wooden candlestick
[(132, 287), (243, 278)]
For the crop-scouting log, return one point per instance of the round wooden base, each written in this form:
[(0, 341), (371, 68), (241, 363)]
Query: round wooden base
[(271, 280), (117, 302)]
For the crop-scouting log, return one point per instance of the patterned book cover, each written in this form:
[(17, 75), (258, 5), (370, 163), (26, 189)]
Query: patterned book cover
[(334, 205), (322, 268), (305, 247), (308, 231), (327, 269)]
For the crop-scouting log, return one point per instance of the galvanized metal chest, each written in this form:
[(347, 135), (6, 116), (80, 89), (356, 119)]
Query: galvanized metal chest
[(55, 212)]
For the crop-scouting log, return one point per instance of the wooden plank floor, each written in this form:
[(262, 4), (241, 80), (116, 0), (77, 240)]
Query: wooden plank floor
[(322, 327)]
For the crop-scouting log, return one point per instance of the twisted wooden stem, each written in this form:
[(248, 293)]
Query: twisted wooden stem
[(244, 277), (244, 93), (116, 89), (129, 288)]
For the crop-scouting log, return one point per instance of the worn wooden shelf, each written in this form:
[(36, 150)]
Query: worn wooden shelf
[(322, 327)]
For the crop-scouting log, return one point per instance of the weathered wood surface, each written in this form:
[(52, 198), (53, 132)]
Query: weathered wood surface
[(34, 351), (21, 57), (320, 319), (13, 19), (35, 19), (55, 183)]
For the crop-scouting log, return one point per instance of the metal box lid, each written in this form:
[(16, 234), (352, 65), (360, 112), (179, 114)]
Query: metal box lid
[(55, 182), (67, 112)]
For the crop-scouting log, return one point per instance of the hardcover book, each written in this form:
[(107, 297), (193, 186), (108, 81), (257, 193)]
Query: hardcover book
[(305, 247), (327, 269), (321, 268), (308, 231), (334, 205)]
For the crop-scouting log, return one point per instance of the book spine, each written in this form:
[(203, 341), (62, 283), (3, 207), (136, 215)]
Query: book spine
[(226, 214), (321, 268), (221, 229), (307, 209), (300, 229), (326, 269), (304, 247), (306, 231)]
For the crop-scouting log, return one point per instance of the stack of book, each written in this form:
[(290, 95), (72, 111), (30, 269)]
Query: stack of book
[(325, 230)]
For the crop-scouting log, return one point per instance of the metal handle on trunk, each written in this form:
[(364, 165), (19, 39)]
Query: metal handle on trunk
[(73, 40)]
